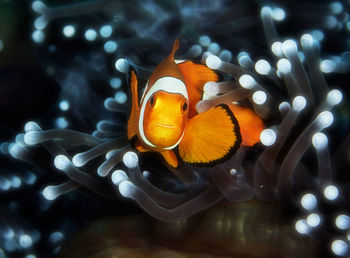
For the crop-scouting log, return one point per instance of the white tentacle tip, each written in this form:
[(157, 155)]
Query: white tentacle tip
[(340, 248), (302, 227), (127, 189), (325, 119), (119, 176), (211, 88), (49, 193), (122, 65), (313, 220), (268, 137), (61, 162), (284, 107), (247, 81), (319, 141), (262, 67), (31, 126), (130, 159), (39, 6), (77, 160), (204, 40), (308, 201), (276, 49), (41, 22), (299, 103), (213, 62), (331, 192), (307, 40), (342, 222), (32, 137), (289, 47), (259, 97), (284, 66), (266, 11), (334, 97), (15, 150)]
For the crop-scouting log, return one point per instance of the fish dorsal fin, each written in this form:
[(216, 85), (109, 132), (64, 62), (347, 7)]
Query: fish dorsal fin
[(196, 75), (167, 68), (135, 109), (250, 124), (210, 137), (176, 46)]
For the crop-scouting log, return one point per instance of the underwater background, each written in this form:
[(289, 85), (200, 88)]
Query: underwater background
[(65, 64)]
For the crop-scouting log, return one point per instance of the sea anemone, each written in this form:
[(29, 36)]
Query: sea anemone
[(292, 164)]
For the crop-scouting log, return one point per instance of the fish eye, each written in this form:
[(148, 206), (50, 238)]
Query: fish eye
[(184, 106)]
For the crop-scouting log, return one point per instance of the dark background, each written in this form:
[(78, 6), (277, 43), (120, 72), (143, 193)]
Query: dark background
[(35, 77)]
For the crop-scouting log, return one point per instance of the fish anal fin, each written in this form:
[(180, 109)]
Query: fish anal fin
[(135, 109), (196, 75), (250, 124), (210, 137), (170, 158)]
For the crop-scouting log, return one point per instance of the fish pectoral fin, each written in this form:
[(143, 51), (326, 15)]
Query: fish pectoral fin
[(135, 109), (210, 137), (140, 147), (251, 125), (170, 158)]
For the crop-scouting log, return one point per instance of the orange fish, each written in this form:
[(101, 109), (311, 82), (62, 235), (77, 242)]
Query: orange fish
[(166, 117)]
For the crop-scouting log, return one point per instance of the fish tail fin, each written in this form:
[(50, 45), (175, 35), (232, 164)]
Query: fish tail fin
[(250, 124), (196, 75)]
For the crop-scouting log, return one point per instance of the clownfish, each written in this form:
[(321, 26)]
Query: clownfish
[(165, 119)]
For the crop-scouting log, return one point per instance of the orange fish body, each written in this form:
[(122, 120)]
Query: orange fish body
[(166, 117)]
